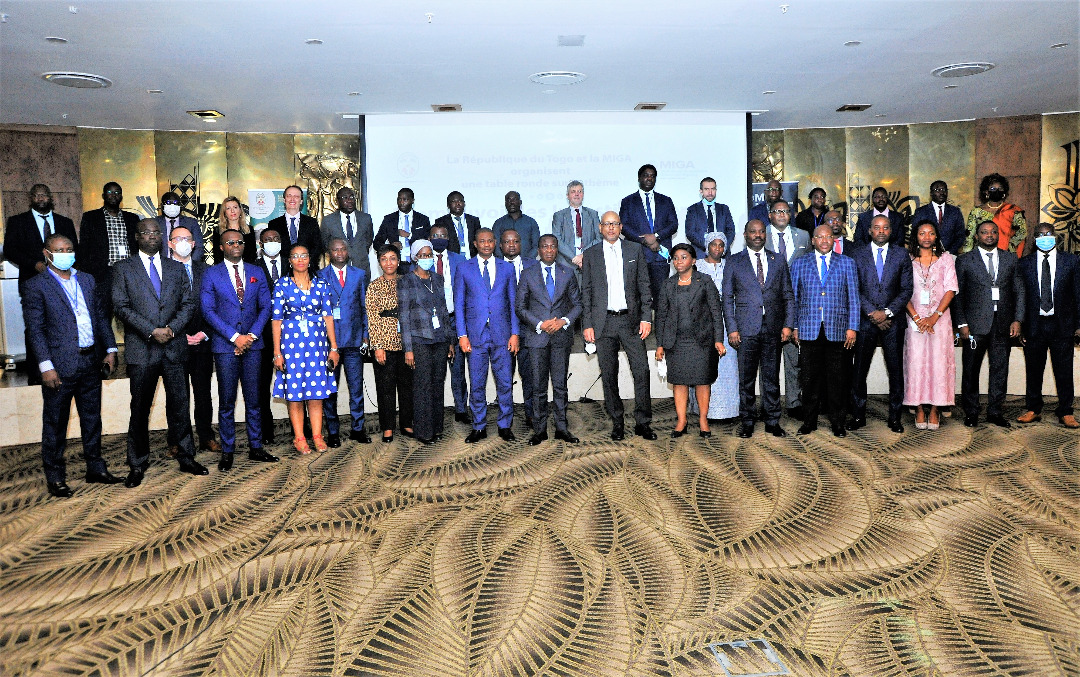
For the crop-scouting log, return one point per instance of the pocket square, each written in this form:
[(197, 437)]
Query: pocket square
[(631, 260)]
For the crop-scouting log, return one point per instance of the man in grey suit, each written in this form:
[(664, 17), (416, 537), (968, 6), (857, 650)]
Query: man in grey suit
[(548, 303), (987, 311), (789, 243), (617, 310), (576, 227), (153, 298), (353, 226)]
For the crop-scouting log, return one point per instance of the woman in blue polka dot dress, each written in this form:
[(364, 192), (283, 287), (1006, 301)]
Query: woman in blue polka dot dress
[(303, 325)]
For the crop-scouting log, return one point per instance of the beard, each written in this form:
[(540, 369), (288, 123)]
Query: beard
[(44, 209)]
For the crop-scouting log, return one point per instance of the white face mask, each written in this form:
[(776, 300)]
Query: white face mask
[(183, 249), (271, 248), (172, 211)]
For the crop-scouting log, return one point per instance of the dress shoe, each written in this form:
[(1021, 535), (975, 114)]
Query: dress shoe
[(538, 438), (896, 426), (507, 434), (618, 433), (194, 468), (746, 431), (644, 431), (172, 451), (704, 433), (1028, 417), (475, 436), (919, 425), (1069, 421), (796, 412), (262, 456), (267, 441), (360, 436), (838, 431), (678, 433), (319, 442), (856, 422), (565, 436), (998, 420), (807, 428), (775, 430), (333, 441), (423, 440), (103, 478), (408, 433), (225, 464), (462, 417), (134, 478), (59, 489), (210, 445), (388, 438)]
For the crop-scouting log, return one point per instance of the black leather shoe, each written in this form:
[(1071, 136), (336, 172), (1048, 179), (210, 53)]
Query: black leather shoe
[(421, 440), (796, 412), (333, 441), (360, 436), (746, 431), (388, 438), (856, 422), (971, 421), (775, 430), (896, 426), (507, 434), (194, 468), (462, 417), (103, 478), (678, 433), (644, 431), (704, 433), (408, 433), (998, 420), (538, 438), (134, 478), (565, 436), (618, 433), (59, 489), (475, 436), (807, 428), (838, 431), (262, 456), (225, 464)]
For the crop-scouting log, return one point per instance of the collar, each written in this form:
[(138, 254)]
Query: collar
[(237, 263), (938, 204), (484, 259), (643, 193), (335, 267), (401, 213), (146, 257), (270, 259), (513, 261), (877, 213), (292, 216), (48, 215), (884, 247)]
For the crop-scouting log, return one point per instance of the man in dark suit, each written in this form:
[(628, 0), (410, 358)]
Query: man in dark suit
[(988, 311), (548, 303), (759, 311), (460, 227), (790, 243), (487, 328), (952, 230), (348, 286), (352, 226), (841, 244), (106, 236), (510, 251), (298, 229), (171, 218), (649, 219), (577, 227), (885, 286), (274, 266), (760, 211), (402, 226), (446, 264), (814, 215), (708, 216), (154, 300), (75, 345), (1051, 279), (880, 199), (617, 306)]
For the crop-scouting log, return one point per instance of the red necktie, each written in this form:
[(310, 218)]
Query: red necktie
[(836, 246), (940, 214), (438, 264), (341, 277), (239, 282), (577, 221)]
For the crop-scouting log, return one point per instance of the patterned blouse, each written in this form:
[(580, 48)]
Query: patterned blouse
[(383, 330)]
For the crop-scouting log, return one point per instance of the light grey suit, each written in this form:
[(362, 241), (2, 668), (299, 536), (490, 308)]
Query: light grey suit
[(563, 227), (359, 245), (792, 387)]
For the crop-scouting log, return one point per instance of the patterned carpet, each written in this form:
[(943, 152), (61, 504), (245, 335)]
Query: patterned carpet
[(953, 552)]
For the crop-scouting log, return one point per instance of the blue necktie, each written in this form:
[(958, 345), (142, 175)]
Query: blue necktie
[(348, 224), (487, 278), (550, 283), (190, 278), (648, 212), (273, 271), (824, 270), (460, 231), (880, 263), (155, 279), (292, 230)]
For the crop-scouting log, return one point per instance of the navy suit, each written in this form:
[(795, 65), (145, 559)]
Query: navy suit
[(697, 224), (470, 225), (191, 224), (861, 236), (50, 323), (199, 367), (308, 234), (388, 233), (486, 316), (521, 361), (226, 316), (760, 212), (891, 292), (458, 384), (635, 224), (350, 330), (1054, 332), (952, 230)]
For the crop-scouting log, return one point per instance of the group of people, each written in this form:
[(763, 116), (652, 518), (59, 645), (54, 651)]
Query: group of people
[(454, 296)]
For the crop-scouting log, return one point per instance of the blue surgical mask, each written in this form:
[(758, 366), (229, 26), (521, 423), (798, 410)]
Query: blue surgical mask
[(708, 202), (1045, 242), (63, 260), (440, 244), (426, 264)]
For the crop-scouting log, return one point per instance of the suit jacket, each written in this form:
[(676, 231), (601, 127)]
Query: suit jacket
[(389, 227), (952, 230), (307, 234), (861, 236), (413, 316), (836, 299), (636, 223), (697, 224), (472, 224), (705, 305), (751, 309), (359, 245), (594, 285), (565, 229), (525, 264), (804, 220), (800, 237), (23, 245), (478, 304), (141, 311), (894, 289), (191, 224), (846, 247), (534, 306), (226, 315), (350, 328), (94, 240), (198, 322), (974, 305), (759, 211), (50, 322), (1066, 292), (251, 247)]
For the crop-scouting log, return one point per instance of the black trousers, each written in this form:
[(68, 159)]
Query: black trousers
[(550, 361), (266, 380), (892, 347), (144, 380), (199, 371), (754, 353), (1045, 337), (822, 363), (521, 362), (997, 344), (394, 390), (429, 386), (618, 331), (85, 388)]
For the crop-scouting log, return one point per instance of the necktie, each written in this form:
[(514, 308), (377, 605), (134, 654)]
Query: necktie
[(648, 212), (712, 222), (341, 277), (940, 214), (438, 264), (990, 268), (782, 246), (836, 246), (460, 230), (292, 229), (487, 278), (550, 283), (760, 271), (239, 282), (273, 270), (880, 265), (46, 229), (190, 278), (155, 279), (577, 222), (1046, 290), (348, 226), (407, 224), (824, 269)]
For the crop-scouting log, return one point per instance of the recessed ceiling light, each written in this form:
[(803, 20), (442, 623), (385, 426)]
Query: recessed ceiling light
[(446, 107), (354, 93), (207, 114), (769, 91), (853, 107), (644, 105), (350, 116), (56, 40), (571, 41), (880, 115), (951, 86), (852, 43), (1059, 45), (77, 80), (962, 70), (557, 77), (154, 91), (313, 41)]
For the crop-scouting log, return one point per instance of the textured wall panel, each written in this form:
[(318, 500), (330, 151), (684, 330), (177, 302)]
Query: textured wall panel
[(876, 156), (122, 155), (259, 161), (1011, 147), (1060, 177), (32, 154), (816, 158), (945, 151)]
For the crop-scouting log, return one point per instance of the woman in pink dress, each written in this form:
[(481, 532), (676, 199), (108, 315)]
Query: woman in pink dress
[(929, 360)]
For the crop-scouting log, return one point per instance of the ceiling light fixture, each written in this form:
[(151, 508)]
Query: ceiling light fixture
[(313, 41), (354, 93), (658, 105), (208, 114), (952, 86), (350, 116), (962, 70), (769, 91), (77, 80), (56, 40), (446, 107), (1059, 45), (852, 43), (557, 77), (154, 91), (853, 107), (880, 115)]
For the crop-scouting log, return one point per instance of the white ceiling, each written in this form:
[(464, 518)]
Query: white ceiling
[(248, 59)]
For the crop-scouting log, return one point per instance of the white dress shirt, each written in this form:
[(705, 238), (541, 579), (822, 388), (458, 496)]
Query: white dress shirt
[(490, 262), (157, 263), (789, 242), (613, 264), (405, 223), (448, 283), (759, 255), (1039, 258), (575, 214), (38, 216), (516, 263)]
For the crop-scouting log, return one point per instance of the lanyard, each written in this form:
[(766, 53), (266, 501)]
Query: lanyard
[(73, 298)]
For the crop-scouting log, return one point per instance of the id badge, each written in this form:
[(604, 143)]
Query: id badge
[(995, 294), (337, 312), (435, 320), (924, 297), (304, 326)]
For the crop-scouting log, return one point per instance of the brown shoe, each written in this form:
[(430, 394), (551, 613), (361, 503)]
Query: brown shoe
[(1069, 421), (210, 445), (1028, 417), (172, 451)]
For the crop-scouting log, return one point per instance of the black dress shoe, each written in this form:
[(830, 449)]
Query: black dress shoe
[(267, 441), (225, 464), (262, 456), (618, 433), (775, 430), (475, 436), (565, 436), (896, 426), (746, 430), (194, 468), (333, 441), (971, 421), (807, 428), (538, 438), (103, 478), (421, 440), (796, 412), (388, 438), (998, 420), (838, 431), (644, 431), (856, 422), (678, 433), (59, 489), (408, 433), (134, 478), (360, 436), (704, 433), (507, 434), (462, 417)]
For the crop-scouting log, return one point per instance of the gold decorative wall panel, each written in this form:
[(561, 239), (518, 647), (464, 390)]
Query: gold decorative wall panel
[(259, 161), (180, 154), (817, 158), (946, 151), (123, 155), (767, 155), (876, 156), (1059, 201), (324, 164)]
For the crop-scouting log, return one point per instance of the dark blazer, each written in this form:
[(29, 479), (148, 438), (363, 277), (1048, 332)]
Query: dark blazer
[(251, 247), (533, 305), (846, 247), (861, 236), (413, 317), (478, 305), (837, 300), (23, 245), (1066, 292), (894, 289), (388, 229), (359, 245), (594, 285), (142, 311), (50, 322), (635, 223), (564, 228), (804, 220), (198, 322), (350, 329), (697, 223), (706, 308), (973, 305), (952, 231), (307, 234), (760, 212), (94, 240), (224, 312), (751, 309), (183, 222), (472, 224)]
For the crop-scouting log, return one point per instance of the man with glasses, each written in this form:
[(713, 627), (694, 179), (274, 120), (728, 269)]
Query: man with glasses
[(171, 217), (789, 243), (841, 244), (351, 225), (760, 211), (107, 236)]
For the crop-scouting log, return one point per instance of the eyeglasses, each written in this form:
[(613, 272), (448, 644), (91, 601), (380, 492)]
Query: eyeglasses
[(233, 243), (180, 238), (779, 211), (114, 191), (611, 223), (299, 256)]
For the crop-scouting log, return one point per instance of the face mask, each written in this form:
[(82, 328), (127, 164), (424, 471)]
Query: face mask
[(708, 202), (995, 195), (440, 244), (183, 249), (172, 211), (426, 264), (271, 248), (1045, 242), (63, 260)]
